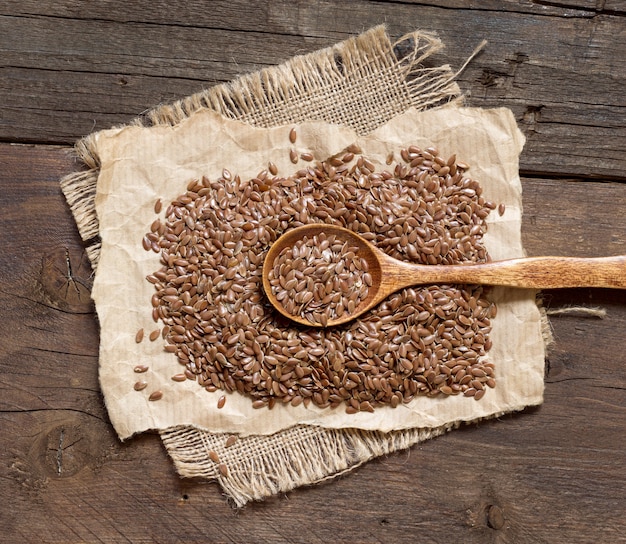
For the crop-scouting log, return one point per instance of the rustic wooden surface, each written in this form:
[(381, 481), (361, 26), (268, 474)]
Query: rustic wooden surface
[(551, 474)]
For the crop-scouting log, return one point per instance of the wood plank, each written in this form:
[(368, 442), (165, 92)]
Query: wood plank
[(549, 474), (570, 217), (237, 16), (559, 72)]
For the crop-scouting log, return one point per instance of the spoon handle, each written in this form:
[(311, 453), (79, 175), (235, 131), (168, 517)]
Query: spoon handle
[(533, 273)]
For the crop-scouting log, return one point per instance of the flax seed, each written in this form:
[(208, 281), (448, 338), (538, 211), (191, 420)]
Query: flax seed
[(156, 395), (139, 336), (218, 325)]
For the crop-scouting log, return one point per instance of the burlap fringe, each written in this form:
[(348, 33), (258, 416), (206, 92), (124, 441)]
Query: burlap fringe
[(577, 311), (306, 455), (302, 89)]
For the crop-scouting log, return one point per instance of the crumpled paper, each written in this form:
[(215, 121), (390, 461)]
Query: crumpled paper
[(140, 165)]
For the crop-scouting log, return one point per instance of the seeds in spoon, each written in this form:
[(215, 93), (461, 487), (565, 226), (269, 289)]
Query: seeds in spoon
[(319, 278)]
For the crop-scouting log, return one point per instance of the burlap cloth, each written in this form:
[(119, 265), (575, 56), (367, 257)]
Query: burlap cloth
[(361, 84)]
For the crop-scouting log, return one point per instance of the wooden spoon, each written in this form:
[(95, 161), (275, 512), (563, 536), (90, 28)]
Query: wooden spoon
[(390, 275)]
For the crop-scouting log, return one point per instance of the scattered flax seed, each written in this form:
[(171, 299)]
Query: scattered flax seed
[(179, 377), (501, 209), (221, 401), (158, 205), (156, 395), (293, 156), (214, 457), (140, 386), (154, 335), (293, 135), (308, 157), (224, 470), (272, 168), (230, 440), (139, 336), (140, 368)]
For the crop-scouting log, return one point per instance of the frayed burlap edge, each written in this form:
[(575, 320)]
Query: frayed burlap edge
[(304, 455), (374, 80), (305, 88)]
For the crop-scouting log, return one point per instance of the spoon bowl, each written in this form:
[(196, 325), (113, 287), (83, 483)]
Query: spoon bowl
[(372, 255), (389, 275)]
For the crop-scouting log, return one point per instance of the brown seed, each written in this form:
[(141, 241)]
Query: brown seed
[(306, 157), (154, 335), (179, 377), (221, 401), (231, 440), (140, 368), (501, 208), (293, 135), (156, 395), (293, 156), (140, 386), (214, 457), (157, 206), (223, 470), (139, 336)]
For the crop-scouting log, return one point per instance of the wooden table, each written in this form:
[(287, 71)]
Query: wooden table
[(556, 473)]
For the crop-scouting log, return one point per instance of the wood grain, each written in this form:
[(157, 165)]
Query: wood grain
[(550, 474), (548, 272), (69, 69)]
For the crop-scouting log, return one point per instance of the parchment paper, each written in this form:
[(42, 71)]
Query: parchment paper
[(140, 165)]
